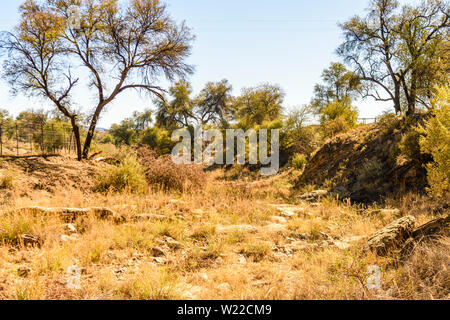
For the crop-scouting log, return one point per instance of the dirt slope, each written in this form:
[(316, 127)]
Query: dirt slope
[(366, 164), (50, 173)]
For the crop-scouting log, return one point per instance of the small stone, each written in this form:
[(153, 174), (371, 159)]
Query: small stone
[(157, 252), (274, 228), (314, 196), (341, 245), (159, 260), (70, 228), (29, 240), (157, 217), (224, 287), (23, 272), (242, 260), (288, 214), (280, 220), (66, 238), (234, 228)]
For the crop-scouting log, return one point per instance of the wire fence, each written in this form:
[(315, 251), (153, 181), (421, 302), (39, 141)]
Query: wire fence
[(18, 139), (367, 120)]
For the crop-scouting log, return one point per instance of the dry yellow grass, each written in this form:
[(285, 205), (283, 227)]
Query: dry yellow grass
[(228, 241)]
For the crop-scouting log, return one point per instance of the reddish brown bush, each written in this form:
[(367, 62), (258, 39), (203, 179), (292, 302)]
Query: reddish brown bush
[(163, 173)]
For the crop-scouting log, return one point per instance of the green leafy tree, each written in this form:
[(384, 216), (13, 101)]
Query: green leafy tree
[(337, 117), (396, 52), (212, 105), (129, 130), (338, 84), (436, 141), (258, 105)]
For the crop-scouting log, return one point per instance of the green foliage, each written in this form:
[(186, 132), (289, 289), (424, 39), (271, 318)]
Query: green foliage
[(128, 131), (436, 141), (340, 109), (55, 132), (299, 161), (410, 147), (338, 84), (258, 105), (338, 117), (158, 139), (127, 176)]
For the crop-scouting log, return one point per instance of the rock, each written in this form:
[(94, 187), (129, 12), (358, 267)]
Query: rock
[(242, 260), (157, 252), (157, 217), (70, 214), (302, 236), (159, 260), (224, 287), (29, 240), (288, 214), (300, 246), (171, 243), (203, 276), (387, 213), (279, 220), (428, 232), (66, 238), (341, 191), (234, 228), (70, 228), (23, 272), (190, 292), (391, 236), (341, 245), (274, 228), (314, 196)]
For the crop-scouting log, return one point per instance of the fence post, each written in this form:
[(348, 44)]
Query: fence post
[(17, 138), (1, 140)]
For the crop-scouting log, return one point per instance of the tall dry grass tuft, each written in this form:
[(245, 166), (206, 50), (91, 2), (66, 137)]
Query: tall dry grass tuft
[(426, 274)]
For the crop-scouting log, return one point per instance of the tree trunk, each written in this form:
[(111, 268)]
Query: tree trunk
[(397, 105), (91, 132), (76, 133), (412, 95)]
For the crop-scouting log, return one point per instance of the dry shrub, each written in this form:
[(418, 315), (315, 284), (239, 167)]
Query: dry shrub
[(7, 179), (163, 173), (426, 274)]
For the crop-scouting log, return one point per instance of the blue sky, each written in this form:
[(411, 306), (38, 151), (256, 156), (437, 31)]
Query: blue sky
[(248, 42)]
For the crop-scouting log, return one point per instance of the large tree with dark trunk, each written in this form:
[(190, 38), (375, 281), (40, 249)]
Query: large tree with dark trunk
[(120, 47), (401, 54)]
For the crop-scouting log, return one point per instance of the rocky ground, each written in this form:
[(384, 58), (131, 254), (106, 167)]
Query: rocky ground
[(230, 241)]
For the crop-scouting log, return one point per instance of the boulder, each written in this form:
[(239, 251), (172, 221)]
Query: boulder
[(69, 214), (391, 236), (313, 196)]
